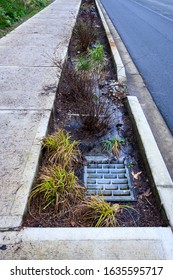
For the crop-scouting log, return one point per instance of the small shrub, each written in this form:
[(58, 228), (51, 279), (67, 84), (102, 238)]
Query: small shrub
[(95, 114), (85, 34), (76, 86), (60, 149), (78, 92), (94, 59)]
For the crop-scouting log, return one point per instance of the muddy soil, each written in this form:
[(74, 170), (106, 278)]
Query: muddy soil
[(145, 210)]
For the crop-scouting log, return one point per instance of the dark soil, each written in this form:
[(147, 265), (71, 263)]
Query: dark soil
[(145, 211)]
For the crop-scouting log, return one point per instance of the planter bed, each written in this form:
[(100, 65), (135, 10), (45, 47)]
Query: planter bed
[(114, 140)]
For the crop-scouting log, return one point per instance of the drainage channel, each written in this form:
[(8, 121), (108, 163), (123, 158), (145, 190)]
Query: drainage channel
[(108, 179)]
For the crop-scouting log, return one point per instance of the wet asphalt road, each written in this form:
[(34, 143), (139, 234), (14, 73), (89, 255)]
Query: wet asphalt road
[(146, 28)]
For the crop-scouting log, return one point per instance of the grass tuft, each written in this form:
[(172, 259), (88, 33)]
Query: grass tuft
[(102, 213), (57, 187), (60, 149), (98, 213)]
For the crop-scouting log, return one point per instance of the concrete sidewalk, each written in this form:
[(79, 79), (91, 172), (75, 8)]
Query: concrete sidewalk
[(26, 67)]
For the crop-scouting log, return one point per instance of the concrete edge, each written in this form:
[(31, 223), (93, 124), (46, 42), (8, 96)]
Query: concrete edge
[(62, 236), (121, 74), (156, 167)]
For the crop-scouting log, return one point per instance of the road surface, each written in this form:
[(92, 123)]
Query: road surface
[(146, 28)]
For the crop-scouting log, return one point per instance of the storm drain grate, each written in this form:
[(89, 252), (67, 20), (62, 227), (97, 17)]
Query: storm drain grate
[(108, 179)]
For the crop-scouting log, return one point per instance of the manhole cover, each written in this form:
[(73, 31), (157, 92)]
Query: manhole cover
[(108, 179)]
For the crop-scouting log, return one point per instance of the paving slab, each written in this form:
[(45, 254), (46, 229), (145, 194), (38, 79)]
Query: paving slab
[(88, 243), (29, 39), (40, 26), (28, 87), (38, 57), (21, 135)]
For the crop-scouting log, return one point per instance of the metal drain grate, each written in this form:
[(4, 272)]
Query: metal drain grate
[(108, 179)]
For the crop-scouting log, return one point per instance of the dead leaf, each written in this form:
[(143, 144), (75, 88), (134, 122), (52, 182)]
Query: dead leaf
[(147, 193), (73, 224), (115, 150), (57, 200), (136, 175)]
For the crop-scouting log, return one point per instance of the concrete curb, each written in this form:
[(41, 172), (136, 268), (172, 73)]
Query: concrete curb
[(156, 167), (121, 74)]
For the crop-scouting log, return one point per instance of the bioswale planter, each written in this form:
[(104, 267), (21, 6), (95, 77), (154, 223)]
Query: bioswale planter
[(100, 243)]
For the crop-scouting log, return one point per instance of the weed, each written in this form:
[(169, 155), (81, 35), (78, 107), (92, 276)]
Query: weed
[(58, 187), (93, 59), (60, 149), (113, 145), (122, 141), (84, 63), (130, 164), (97, 53)]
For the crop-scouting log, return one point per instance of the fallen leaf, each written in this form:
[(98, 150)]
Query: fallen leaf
[(115, 150), (73, 224), (136, 175), (147, 193)]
